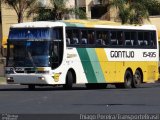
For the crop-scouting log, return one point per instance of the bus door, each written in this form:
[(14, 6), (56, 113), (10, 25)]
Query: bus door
[(56, 48)]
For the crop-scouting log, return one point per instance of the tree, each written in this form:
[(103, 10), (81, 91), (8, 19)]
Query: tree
[(138, 12), (59, 9), (153, 7), (81, 14), (56, 11), (131, 11), (20, 6)]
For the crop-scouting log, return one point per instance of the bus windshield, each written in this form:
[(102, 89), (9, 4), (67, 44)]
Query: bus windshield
[(34, 47), (29, 33), (29, 54)]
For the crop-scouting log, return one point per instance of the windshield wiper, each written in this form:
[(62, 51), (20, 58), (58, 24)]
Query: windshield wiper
[(31, 58)]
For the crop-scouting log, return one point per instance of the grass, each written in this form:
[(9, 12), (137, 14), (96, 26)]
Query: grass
[(2, 80)]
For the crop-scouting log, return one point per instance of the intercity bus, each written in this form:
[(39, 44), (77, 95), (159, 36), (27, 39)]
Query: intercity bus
[(90, 52)]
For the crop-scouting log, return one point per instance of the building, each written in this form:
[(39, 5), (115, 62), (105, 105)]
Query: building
[(95, 9)]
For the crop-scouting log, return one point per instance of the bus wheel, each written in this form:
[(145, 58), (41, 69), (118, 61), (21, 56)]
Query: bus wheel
[(31, 87), (137, 79), (128, 77), (69, 81), (127, 81)]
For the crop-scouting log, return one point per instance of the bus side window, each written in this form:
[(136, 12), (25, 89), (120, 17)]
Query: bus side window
[(153, 39), (72, 37), (140, 39), (134, 38), (99, 39), (120, 37), (128, 41), (75, 37), (91, 37), (102, 38), (84, 37), (146, 38), (106, 38), (113, 36), (68, 40), (68, 36), (130, 38), (117, 38)]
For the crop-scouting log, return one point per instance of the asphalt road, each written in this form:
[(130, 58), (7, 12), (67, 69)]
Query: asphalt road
[(49, 100)]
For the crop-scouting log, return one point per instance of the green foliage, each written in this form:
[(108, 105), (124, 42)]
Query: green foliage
[(132, 11), (138, 12), (20, 6), (56, 11), (80, 13), (43, 14), (153, 7), (59, 9)]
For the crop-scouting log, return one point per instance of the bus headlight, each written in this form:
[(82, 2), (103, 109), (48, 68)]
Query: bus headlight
[(41, 78), (10, 79)]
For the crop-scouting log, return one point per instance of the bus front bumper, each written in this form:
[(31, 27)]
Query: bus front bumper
[(29, 79)]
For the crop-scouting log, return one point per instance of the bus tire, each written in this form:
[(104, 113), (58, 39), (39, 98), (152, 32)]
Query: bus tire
[(137, 79), (128, 78), (69, 81), (31, 87), (127, 81)]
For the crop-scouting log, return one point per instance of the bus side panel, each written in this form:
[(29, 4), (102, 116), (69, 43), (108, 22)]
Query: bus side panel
[(149, 70), (73, 61), (152, 70), (108, 67), (120, 71), (98, 69), (91, 65)]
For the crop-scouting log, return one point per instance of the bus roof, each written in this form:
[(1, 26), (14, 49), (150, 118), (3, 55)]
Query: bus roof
[(106, 24), (82, 23), (38, 24)]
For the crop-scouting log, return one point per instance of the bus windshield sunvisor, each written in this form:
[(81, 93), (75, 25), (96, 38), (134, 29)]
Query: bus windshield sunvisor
[(30, 33)]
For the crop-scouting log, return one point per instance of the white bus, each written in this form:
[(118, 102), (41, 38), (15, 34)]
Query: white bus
[(95, 53)]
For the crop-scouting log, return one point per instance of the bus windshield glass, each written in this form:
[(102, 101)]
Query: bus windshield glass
[(34, 47), (29, 54), (29, 33)]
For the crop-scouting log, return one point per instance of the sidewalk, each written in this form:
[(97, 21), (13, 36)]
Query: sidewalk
[(2, 80)]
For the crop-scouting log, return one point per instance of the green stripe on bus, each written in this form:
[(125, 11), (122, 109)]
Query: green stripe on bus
[(73, 25), (96, 65), (87, 65)]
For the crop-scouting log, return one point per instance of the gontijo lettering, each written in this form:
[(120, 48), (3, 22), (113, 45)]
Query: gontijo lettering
[(122, 54)]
